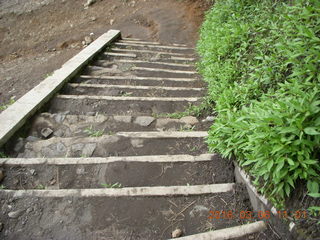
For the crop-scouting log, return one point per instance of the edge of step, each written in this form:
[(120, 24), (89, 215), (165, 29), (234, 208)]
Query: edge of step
[(126, 192), (228, 233), (106, 160)]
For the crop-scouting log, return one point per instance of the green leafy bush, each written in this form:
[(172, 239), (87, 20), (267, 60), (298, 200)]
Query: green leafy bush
[(261, 60)]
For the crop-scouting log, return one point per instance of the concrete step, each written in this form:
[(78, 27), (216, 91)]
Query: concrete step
[(138, 71), (159, 47), (121, 171), (118, 144), (135, 106), (141, 81), (137, 41), (127, 63), (159, 57), (143, 52), (133, 91)]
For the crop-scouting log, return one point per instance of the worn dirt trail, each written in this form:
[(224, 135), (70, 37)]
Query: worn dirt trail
[(38, 36)]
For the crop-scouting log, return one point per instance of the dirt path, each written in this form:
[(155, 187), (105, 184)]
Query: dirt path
[(38, 36)]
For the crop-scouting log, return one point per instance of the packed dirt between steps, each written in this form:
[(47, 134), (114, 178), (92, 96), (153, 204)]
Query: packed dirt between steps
[(119, 218), (37, 37), (119, 174)]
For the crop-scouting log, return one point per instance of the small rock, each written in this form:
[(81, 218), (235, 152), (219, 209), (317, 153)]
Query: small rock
[(54, 150), (32, 171), (89, 2), (89, 149), (124, 119), (93, 19), (111, 21), (59, 133), (59, 118), (137, 143), (88, 40), (1, 175), (29, 210), (189, 120), (208, 119), (176, 233), (53, 181), (46, 132), (15, 214), (90, 113), (144, 121), (32, 139)]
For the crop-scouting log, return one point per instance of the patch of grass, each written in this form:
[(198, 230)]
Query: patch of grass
[(2, 186), (114, 185), (3, 155), (186, 128), (6, 105), (92, 132), (40, 186)]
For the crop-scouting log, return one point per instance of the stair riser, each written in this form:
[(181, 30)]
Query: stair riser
[(113, 146), (146, 82), (95, 176), (134, 108), (98, 71), (130, 92), (151, 64)]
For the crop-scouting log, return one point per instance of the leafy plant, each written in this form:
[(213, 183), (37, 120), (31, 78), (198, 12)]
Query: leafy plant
[(6, 105), (92, 132), (114, 185), (3, 155), (261, 62)]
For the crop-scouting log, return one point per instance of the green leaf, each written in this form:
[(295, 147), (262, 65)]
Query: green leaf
[(311, 131), (313, 187)]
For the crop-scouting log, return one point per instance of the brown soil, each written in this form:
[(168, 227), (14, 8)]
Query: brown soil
[(37, 37)]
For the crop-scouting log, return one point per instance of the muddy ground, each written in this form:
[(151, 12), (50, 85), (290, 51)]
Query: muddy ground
[(37, 37)]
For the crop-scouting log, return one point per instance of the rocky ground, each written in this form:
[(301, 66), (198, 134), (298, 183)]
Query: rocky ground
[(38, 36)]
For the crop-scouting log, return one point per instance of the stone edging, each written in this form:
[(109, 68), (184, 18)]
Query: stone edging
[(17, 114), (260, 203)]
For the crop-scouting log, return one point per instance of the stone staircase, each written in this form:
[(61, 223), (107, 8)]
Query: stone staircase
[(104, 161)]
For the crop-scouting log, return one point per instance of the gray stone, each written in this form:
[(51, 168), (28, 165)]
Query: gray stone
[(144, 121), (58, 133), (124, 119), (54, 150), (90, 113), (89, 3), (32, 139), (165, 122), (199, 210), (208, 119), (19, 145), (189, 120), (177, 233), (76, 149), (59, 117), (15, 214), (137, 143), (88, 40), (88, 149), (46, 132), (32, 171)]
